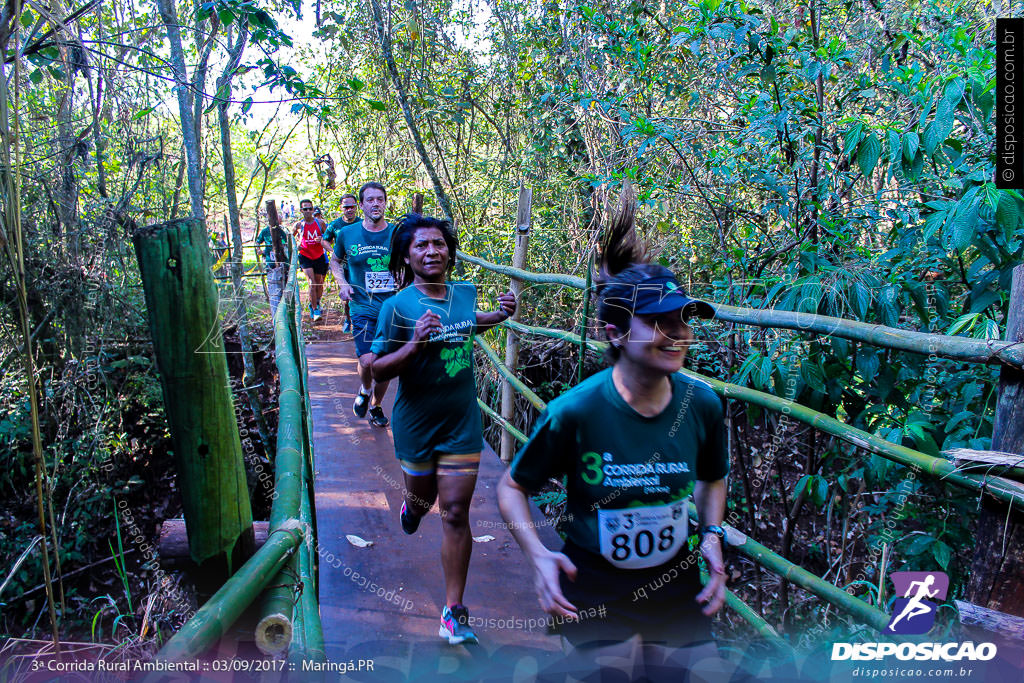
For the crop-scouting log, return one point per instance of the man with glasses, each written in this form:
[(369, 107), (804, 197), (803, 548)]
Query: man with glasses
[(349, 216), (312, 254)]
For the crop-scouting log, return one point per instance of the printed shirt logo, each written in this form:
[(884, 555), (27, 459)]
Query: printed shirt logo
[(457, 358), (914, 613), (379, 263)]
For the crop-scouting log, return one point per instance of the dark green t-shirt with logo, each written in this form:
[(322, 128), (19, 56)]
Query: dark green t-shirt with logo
[(365, 255), (628, 476), (335, 226), (435, 409), (265, 238)]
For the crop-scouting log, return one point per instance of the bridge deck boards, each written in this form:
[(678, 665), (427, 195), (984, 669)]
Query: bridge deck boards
[(384, 602)]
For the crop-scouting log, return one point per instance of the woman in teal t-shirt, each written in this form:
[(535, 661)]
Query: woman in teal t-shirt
[(425, 338), (632, 442)]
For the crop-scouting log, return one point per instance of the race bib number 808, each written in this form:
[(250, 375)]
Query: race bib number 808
[(641, 537)]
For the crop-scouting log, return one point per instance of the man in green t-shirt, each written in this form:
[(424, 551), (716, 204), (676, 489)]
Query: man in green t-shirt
[(359, 262), (349, 215), (266, 239)]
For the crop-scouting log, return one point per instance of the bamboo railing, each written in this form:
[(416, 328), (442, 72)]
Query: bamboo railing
[(1004, 489), (218, 614), (989, 351), (287, 561), (953, 348)]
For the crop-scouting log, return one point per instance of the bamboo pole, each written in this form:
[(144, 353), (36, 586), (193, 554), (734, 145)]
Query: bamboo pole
[(516, 383), (297, 651), (227, 604), (828, 592), (508, 398), (276, 628), (583, 323), (989, 351), (290, 431), (508, 428), (313, 640), (525, 275), (182, 304), (1003, 489), (746, 612)]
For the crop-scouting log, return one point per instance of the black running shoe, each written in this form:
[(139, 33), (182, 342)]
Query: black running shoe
[(377, 417), (410, 522), (360, 405)]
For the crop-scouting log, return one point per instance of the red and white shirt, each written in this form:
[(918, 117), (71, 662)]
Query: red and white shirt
[(310, 236)]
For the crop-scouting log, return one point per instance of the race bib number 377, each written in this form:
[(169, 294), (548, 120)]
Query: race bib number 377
[(641, 537)]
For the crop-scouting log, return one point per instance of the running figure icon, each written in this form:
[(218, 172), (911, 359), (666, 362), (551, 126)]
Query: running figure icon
[(915, 607)]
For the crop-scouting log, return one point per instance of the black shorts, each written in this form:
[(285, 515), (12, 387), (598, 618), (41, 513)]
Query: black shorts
[(319, 265), (658, 603)]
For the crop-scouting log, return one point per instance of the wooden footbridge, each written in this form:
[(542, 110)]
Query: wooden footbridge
[(338, 585)]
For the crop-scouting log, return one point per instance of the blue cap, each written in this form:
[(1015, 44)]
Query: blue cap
[(662, 294)]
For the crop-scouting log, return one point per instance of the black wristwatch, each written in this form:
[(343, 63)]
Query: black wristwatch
[(713, 529)]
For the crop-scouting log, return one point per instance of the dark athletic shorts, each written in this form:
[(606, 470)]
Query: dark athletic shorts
[(363, 330), (319, 265), (668, 615)]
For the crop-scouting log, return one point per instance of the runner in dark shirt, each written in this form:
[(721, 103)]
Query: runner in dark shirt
[(360, 265), (633, 442), (349, 216), (425, 338)]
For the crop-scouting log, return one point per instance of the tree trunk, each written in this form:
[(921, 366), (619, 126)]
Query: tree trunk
[(508, 396), (66, 189), (190, 141), (182, 303), (238, 254), (998, 564), (389, 59)]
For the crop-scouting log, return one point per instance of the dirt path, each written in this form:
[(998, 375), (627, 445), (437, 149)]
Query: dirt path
[(383, 602)]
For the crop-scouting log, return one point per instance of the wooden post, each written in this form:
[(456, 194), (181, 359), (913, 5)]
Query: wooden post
[(182, 304), (277, 277), (275, 232), (998, 564), (417, 203), (586, 318), (508, 396)]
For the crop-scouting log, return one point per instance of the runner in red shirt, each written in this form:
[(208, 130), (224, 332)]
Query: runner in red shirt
[(309, 232)]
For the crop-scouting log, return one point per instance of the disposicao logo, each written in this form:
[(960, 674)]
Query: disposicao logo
[(914, 614)]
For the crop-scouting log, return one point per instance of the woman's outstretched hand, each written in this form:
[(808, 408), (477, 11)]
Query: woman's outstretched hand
[(713, 595), (507, 303), (546, 580)]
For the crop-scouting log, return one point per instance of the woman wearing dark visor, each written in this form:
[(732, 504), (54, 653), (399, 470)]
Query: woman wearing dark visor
[(634, 442)]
